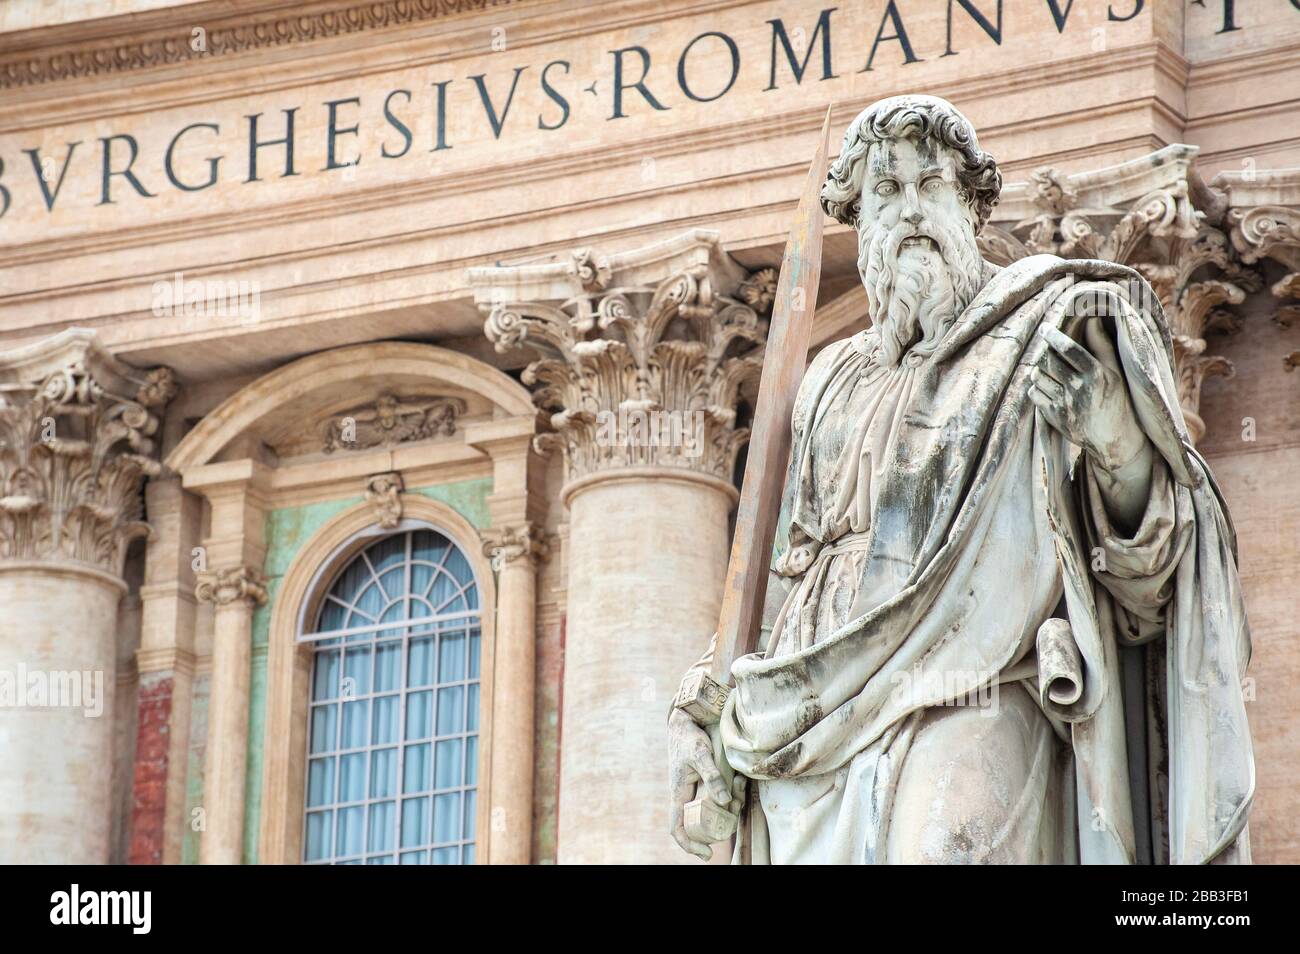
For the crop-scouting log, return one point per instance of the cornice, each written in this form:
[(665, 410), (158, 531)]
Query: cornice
[(82, 51)]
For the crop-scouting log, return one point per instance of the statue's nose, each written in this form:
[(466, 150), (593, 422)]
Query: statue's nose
[(912, 208)]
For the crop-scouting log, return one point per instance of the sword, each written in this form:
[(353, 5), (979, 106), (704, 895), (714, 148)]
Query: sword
[(702, 697)]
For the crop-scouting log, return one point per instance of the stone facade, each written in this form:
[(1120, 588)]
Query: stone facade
[(274, 283)]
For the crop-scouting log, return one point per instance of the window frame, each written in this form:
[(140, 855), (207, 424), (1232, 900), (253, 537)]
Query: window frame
[(465, 622)]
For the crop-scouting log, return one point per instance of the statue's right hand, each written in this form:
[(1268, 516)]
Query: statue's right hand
[(693, 772)]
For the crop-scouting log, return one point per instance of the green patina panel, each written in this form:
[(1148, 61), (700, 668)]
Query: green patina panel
[(194, 768), (287, 530)]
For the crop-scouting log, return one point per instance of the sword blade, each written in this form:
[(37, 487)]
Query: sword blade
[(789, 332)]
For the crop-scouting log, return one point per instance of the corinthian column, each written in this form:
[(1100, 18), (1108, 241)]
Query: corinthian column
[(643, 356), (76, 430), (233, 593), (514, 552)]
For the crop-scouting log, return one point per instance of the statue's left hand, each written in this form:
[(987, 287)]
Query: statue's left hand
[(1085, 399)]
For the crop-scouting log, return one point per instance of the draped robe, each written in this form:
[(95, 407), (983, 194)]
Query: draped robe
[(936, 522)]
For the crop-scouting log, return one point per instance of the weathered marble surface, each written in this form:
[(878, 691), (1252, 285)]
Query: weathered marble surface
[(996, 510)]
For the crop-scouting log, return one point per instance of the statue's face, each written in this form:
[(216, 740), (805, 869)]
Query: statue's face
[(915, 183), (916, 244)]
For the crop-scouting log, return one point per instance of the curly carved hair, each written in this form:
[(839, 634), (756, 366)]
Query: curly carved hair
[(910, 117)]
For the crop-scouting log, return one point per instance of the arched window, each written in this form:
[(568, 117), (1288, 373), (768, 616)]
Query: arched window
[(392, 745)]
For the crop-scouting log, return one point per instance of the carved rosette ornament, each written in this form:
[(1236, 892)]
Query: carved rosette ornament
[(76, 443), (235, 584), (384, 494), (1155, 215), (505, 546), (644, 355)]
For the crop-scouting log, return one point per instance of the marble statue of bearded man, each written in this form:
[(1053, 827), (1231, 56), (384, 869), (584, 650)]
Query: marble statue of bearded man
[(1007, 624)]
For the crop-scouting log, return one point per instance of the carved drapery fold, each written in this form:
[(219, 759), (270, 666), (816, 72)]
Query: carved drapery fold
[(234, 584), (1156, 215), (77, 433), (644, 355)]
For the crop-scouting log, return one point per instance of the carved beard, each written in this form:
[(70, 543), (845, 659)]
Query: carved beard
[(917, 289)]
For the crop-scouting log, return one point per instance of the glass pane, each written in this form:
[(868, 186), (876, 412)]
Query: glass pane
[(390, 551), (383, 728), (383, 773), (419, 665), (394, 582), (445, 856), (318, 835), (442, 592), (351, 831), (415, 822), (468, 854), (474, 641), (419, 715), (428, 546), (415, 858), (420, 610), (451, 657), (332, 616), (383, 819), (471, 760), (471, 804), (446, 764), (471, 595), (325, 684), (471, 724), (388, 666), (324, 728), (356, 724), (352, 777), (421, 577), (369, 605), (356, 673), (458, 566), (320, 782), (380, 860), (451, 710), (446, 817), (351, 583), (417, 768)]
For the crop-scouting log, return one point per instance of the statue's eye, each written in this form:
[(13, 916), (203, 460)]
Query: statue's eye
[(932, 184), (887, 188)]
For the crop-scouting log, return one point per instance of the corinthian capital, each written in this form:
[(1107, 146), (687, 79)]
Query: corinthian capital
[(223, 587), (76, 443), (507, 545), (642, 355), (1265, 220)]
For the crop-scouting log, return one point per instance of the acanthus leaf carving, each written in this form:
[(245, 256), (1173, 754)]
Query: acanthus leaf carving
[(638, 374), (231, 585), (76, 445)]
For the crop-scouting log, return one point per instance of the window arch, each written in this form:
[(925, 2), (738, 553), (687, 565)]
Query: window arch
[(392, 740)]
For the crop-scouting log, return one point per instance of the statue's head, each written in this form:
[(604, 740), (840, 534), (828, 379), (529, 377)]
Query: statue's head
[(913, 181)]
